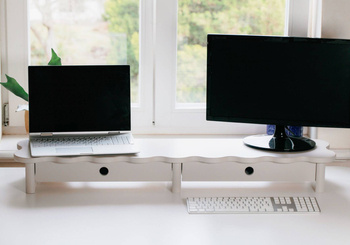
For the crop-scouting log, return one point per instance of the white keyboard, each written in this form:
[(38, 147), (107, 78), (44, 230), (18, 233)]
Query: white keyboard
[(82, 141), (229, 205)]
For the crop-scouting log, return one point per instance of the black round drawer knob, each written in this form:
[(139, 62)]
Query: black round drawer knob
[(104, 171), (249, 171)]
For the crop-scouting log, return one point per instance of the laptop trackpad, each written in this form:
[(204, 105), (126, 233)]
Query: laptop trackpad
[(77, 150)]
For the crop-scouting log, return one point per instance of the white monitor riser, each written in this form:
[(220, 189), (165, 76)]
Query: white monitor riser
[(178, 159)]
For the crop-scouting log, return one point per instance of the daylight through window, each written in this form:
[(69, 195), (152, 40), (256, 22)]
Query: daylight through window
[(87, 32), (198, 18)]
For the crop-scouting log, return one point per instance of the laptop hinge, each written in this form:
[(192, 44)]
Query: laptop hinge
[(46, 134), (114, 132)]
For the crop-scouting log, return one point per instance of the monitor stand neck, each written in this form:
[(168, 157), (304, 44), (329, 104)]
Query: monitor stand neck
[(280, 141)]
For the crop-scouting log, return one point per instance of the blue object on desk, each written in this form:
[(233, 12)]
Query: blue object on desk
[(297, 131)]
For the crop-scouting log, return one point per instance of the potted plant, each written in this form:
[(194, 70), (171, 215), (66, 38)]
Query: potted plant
[(13, 86)]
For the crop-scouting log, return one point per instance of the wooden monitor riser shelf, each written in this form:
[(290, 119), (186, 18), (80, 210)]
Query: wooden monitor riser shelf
[(181, 159)]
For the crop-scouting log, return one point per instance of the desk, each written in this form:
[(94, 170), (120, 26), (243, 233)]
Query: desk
[(147, 213), (181, 159)]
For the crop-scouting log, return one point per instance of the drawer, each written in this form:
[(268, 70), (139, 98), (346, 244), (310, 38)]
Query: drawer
[(231, 171), (86, 171)]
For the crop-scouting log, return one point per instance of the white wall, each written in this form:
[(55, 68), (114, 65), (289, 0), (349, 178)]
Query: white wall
[(336, 18), (335, 24)]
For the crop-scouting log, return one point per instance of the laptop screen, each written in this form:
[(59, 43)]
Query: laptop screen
[(79, 98)]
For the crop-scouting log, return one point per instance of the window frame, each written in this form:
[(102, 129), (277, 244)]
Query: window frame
[(190, 118), (157, 112), (14, 58)]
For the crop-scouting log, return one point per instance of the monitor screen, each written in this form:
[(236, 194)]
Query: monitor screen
[(278, 80), (80, 98)]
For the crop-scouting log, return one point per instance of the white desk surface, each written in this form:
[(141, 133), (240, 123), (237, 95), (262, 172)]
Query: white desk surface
[(149, 213)]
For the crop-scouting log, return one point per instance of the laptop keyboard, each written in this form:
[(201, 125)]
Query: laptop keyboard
[(82, 141)]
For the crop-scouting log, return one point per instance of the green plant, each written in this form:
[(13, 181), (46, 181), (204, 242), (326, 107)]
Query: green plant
[(13, 86)]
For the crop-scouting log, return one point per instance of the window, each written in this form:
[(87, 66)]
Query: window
[(87, 32), (198, 18), (181, 53), (162, 40)]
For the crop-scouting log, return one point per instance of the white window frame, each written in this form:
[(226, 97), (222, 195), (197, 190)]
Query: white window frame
[(190, 118), (157, 112), (14, 58)]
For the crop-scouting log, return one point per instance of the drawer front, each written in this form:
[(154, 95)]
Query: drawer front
[(85, 171), (231, 171)]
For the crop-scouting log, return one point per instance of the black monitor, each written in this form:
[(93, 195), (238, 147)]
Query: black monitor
[(281, 81)]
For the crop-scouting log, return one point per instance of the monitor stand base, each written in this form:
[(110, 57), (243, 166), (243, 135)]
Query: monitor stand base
[(279, 142)]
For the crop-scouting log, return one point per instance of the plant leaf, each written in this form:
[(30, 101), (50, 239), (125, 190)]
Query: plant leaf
[(13, 86), (55, 60)]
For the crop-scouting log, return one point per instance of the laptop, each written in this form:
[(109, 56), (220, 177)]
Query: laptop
[(80, 110)]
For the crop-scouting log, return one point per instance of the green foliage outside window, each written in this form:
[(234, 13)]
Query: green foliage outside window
[(114, 39), (197, 18), (123, 24)]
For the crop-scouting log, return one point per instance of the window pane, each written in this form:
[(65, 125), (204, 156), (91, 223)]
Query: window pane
[(87, 32), (198, 18)]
